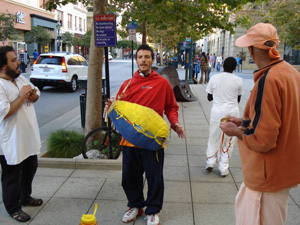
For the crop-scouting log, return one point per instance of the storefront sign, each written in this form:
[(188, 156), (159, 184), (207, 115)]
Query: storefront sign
[(20, 17), (105, 30)]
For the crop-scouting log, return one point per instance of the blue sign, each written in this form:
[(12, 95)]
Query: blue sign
[(105, 30), (132, 25)]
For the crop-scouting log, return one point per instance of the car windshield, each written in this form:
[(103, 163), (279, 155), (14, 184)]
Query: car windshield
[(53, 60)]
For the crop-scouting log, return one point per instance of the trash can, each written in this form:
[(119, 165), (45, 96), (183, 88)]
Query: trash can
[(82, 98), (175, 62)]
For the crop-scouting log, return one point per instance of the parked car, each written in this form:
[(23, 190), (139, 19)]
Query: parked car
[(58, 69), (109, 56)]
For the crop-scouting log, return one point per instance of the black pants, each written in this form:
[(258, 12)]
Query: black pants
[(17, 182), (136, 161)]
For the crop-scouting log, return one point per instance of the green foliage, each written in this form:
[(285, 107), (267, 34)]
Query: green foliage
[(127, 44), (67, 38), (52, 4), (64, 144), (7, 29), (38, 35), (86, 39), (284, 15)]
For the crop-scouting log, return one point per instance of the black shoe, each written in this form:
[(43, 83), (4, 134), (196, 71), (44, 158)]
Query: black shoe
[(33, 202), (20, 216)]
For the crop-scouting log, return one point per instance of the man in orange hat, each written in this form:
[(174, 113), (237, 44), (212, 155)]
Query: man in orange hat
[(268, 133)]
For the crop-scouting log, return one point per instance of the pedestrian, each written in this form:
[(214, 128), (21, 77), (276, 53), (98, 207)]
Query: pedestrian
[(35, 54), (196, 66), (238, 62), (19, 136), (215, 60), (225, 90), (149, 89), (268, 133), (212, 61), (219, 61), (204, 69)]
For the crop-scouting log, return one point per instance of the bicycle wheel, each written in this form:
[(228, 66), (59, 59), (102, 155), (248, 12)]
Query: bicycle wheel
[(98, 139)]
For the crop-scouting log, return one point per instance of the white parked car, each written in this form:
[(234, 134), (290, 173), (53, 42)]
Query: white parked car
[(58, 69)]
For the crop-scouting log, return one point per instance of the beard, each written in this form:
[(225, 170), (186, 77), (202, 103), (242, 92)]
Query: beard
[(12, 73)]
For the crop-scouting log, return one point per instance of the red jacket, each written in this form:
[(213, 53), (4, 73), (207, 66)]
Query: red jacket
[(154, 92)]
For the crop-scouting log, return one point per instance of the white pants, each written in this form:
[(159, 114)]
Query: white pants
[(215, 150), (260, 208)]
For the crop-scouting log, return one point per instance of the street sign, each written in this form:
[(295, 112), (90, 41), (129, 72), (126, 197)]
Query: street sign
[(132, 37), (132, 25), (105, 30), (132, 31)]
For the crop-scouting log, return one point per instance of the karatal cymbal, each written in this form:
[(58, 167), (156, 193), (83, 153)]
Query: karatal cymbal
[(224, 120)]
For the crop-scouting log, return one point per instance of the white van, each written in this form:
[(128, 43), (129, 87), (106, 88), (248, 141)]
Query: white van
[(58, 69)]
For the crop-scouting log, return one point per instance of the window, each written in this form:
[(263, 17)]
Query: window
[(84, 25), (80, 24), (60, 17), (75, 22), (69, 21)]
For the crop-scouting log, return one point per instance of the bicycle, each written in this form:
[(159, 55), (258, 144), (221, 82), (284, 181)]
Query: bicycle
[(99, 139)]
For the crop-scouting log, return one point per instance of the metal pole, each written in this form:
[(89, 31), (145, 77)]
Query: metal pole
[(107, 88), (132, 57)]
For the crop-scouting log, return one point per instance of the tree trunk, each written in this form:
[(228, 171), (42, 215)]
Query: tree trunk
[(94, 88), (144, 39)]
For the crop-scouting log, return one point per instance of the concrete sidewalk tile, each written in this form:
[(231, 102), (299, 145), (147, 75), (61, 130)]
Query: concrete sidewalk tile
[(173, 214), (213, 192), (295, 194), (174, 140), (293, 215), (84, 188), (237, 174), (214, 214), (235, 161), (54, 172), (175, 160), (176, 173), (175, 149), (197, 160), (177, 192), (195, 126), (102, 174), (196, 140), (110, 212), (197, 134), (62, 211), (44, 186), (199, 174), (112, 190), (196, 150), (191, 120)]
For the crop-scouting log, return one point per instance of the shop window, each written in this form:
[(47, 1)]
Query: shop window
[(291, 55)]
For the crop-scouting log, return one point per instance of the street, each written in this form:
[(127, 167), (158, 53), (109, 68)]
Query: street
[(55, 102)]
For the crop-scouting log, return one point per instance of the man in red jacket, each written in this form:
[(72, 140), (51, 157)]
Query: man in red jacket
[(149, 89), (269, 132)]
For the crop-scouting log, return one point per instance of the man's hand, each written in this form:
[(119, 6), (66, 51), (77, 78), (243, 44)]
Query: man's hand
[(25, 91), (108, 104), (231, 129), (179, 130), (237, 121), (33, 96)]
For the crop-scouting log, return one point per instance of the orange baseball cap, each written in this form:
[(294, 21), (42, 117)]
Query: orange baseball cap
[(257, 35)]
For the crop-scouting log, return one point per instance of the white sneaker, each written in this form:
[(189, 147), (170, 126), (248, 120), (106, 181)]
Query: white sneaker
[(152, 219), (224, 173), (131, 214)]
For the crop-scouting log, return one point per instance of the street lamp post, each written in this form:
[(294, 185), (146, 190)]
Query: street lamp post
[(58, 26)]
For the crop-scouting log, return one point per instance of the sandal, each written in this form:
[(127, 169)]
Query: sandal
[(20, 216), (33, 202)]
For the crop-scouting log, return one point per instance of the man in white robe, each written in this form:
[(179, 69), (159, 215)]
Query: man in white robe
[(225, 89), (19, 136)]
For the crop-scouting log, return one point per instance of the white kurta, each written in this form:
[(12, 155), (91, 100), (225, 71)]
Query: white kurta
[(225, 88), (19, 133)]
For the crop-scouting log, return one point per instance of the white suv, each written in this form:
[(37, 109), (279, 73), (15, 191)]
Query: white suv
[(58, 69)]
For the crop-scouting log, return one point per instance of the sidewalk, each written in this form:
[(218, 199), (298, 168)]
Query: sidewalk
[(192, 195)]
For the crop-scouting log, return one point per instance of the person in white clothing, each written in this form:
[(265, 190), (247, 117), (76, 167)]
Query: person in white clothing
[(19, 136), (219, 61), (225, 89)]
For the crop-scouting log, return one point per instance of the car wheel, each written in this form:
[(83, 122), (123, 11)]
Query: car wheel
[(40, 87), (73, 85)]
